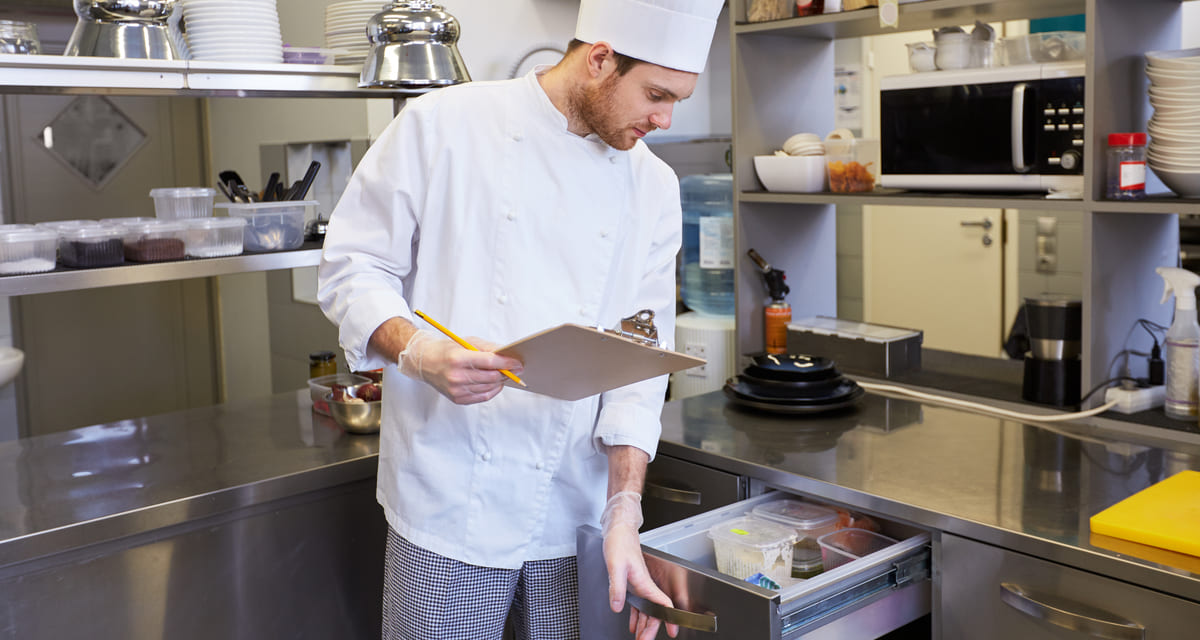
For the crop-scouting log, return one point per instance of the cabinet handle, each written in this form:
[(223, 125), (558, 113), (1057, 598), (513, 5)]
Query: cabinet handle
[(686, 619), (1057, 611), (670, 494)]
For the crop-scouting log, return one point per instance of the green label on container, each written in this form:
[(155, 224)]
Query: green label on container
[(740, 532)]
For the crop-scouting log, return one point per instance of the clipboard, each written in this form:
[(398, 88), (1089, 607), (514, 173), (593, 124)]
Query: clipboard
[(572, 362)]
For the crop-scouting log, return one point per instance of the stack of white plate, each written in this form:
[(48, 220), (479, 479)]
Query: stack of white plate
[(233, 30), (1174, 151), (346, 29)]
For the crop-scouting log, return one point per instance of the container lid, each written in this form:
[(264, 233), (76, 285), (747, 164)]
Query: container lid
[(214, 223), (152, 226), (16, 227), (800, 515), (321, 356), (855, 542), (67, 224), (182, 192), (748, 531), (1126, 139), (256, 208), (122, 221), (95, 232), (26, 235)]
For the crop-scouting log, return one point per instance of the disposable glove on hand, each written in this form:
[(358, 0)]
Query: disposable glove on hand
[(626, 566), (462, 375)]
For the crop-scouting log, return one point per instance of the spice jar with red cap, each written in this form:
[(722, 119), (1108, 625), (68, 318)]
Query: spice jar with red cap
[(1126, 166)]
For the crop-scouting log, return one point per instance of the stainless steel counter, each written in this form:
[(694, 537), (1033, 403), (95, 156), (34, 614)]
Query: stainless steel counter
[(1025, 487), (127, 477)]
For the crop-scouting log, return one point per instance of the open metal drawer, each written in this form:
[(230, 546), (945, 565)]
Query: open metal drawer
[(859, 600)]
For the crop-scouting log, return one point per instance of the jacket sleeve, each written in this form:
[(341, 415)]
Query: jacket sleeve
[(632, 415), (370, 243)]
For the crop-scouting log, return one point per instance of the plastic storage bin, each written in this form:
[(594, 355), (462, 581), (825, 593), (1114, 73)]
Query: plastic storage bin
[(153, 241), (213, 237), (320, 387), (747, 545), (847, 545), (1051, 46), (271, 226), (183, 202), (708, 249), (27, 250), (810, 522), (91, 246)]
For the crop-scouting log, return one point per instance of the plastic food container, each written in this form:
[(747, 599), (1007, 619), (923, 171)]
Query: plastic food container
[(747, 545), (271, 226), (91, 246), (5, 228), (810, 522), (213, 237), (123, 221), (1051, 46), (153, 241), (320, 387), (183, 202), (27, 250), (848, 545), (853, 164)]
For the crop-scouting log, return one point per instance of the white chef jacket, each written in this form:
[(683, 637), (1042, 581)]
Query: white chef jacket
[(478, 206)]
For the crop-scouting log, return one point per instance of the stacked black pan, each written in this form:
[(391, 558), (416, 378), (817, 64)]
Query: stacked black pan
[(792, 383)]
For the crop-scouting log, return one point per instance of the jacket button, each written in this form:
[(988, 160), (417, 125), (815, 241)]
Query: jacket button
[(539, 466), (502, 298), (485, 456)]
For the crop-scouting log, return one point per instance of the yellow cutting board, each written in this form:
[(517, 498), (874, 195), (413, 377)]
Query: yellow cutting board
[(1165, 515)]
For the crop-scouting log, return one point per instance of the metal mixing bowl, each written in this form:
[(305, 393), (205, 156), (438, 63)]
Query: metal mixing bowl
[(356, 417), (125, 10)]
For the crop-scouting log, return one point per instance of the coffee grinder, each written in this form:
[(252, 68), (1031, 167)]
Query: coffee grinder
[(1052, 366)]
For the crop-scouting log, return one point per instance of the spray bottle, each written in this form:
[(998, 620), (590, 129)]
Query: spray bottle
[(1183, 344), (777, 313)]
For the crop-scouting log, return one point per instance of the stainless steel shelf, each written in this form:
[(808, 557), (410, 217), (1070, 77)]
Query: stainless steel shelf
[(896, 197), (1152, 204), (913, 17), (45, 74), (73, 279)]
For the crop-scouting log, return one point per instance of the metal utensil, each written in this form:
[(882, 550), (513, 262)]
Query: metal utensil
[(224, 188)]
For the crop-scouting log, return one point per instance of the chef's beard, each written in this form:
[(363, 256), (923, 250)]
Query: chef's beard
[(596, 107)]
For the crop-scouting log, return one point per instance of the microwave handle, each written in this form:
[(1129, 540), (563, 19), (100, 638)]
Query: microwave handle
[(1018, 127)]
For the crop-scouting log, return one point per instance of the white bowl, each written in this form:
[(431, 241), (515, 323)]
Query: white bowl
[(795, 174), (1191, 91), (1185, 59), (11, 360), (1167, 103), (1186, 183), (1172, 80)]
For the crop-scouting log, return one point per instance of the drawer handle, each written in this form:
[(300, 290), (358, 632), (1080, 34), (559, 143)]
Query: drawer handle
[(669, 494), (1095, 622), (685, 619)]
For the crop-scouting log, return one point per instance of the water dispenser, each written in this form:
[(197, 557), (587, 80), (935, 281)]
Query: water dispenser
[(708, 250)]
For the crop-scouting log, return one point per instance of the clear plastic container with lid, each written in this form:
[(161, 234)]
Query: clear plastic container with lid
[(271, 226), (183, 202), (153, 240), (213, 237), (708, 249), (1126, 166), (848, 545), (91, 246), (747, 545), (810, 522), (27, 250)]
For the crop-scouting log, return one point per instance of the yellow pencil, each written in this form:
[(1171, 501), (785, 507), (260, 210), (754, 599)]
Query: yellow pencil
[(463, 343)]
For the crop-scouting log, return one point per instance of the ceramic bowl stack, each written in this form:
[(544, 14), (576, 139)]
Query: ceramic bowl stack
[(346, 29), (233, 30), (1174, 150)]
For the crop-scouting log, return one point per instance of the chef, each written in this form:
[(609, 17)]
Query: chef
[(501, 209)]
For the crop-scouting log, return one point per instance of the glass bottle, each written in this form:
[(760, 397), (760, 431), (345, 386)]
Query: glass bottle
[(321, 363)]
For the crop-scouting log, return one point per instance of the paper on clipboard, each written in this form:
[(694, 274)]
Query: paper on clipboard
[(572, 362)]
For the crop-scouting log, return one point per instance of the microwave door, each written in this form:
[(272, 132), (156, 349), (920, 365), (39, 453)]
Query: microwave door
[(963, 132)]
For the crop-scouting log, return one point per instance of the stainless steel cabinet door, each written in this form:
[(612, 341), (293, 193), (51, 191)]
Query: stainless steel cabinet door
[(676, 489), (989, 592)]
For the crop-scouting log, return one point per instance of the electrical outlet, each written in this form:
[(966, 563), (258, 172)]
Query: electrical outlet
[(698, 350), (1134, 400)]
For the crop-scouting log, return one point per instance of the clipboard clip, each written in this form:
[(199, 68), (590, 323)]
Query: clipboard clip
[(638, 327)]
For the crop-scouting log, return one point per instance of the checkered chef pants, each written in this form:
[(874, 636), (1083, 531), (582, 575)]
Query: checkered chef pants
[(430, 597)]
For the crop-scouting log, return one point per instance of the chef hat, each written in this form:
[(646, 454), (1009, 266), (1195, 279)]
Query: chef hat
[(670, 33)]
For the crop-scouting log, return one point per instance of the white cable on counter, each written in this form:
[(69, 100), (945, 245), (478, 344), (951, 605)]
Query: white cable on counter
[(1016, 415)]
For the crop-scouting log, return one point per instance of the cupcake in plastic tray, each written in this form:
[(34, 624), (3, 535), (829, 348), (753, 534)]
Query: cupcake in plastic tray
[(271, 226), (213, 237), (27, 250), (91, 246), (153, 241)]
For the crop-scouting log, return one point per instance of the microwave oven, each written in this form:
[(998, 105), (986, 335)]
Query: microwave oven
[(1008, 129)]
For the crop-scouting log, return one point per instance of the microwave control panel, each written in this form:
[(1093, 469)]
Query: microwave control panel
[(1060, 138)]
